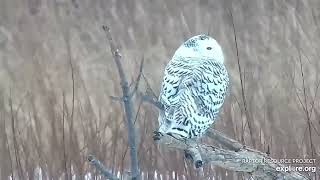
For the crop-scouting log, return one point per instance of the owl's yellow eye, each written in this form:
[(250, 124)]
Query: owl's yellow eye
[(209, 48)]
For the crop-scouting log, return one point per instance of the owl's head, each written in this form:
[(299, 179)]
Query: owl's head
[(201, 46)]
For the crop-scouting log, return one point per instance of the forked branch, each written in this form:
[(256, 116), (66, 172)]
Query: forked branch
[(126, 98)]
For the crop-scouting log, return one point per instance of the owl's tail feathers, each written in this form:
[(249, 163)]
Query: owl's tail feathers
[(162, 129), (164, 123)]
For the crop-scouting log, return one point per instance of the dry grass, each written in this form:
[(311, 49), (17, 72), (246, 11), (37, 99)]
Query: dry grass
[(47, 46)]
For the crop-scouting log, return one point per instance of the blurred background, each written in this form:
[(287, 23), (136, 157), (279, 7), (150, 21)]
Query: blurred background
[(57, 75)]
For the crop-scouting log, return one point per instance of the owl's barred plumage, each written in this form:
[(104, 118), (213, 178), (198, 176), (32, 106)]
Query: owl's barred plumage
[(193, 89)]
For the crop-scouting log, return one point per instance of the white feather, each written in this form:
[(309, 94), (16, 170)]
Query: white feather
[(194, 88)]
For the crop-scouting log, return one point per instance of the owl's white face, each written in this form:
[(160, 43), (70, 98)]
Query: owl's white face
[(201, 46)]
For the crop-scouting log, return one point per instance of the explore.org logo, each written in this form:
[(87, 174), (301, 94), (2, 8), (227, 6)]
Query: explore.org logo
[(297, 168), (286, 165)]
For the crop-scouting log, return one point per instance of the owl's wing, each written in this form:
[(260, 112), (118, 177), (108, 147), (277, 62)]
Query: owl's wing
[(210, 87), (201, 99), (176, 72), (192, 95)]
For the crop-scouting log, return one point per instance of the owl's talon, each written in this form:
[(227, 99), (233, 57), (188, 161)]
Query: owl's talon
[(198, 163), (157, 135), (156, 138)]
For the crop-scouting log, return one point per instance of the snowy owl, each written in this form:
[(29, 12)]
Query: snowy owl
[(193, 89)]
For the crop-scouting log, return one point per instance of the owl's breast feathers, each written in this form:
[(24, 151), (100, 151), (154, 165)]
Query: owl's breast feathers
[(192, 92), (205, 79)]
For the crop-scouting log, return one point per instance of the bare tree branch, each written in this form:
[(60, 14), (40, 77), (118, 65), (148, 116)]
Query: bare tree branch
[(114, 98), (225, 141), (258, 164), (128, 107), (305, 102), (134, 90), (14, 139), (248, 117), (101, 168), (149, 89), (127, 99), (65, 161), (151, 100)]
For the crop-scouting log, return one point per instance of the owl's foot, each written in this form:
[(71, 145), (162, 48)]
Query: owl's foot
[(198, 164), (157, 135)]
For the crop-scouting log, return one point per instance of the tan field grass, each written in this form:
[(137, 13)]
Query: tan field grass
[(57, 76)]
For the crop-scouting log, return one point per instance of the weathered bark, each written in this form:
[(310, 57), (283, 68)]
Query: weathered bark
[(244, 160)]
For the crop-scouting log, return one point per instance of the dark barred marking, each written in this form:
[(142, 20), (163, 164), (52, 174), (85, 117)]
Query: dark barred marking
[(191, 43), (201, 95), (179, 129), (203, 37)]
